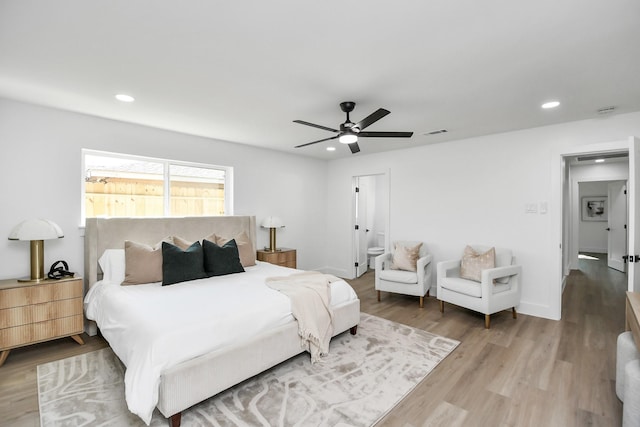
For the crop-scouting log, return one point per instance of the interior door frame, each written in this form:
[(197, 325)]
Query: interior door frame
[(574, 223), (386, 202), (558, 238)]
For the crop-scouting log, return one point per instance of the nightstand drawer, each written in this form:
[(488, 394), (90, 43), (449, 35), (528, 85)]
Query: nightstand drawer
[(36, 294), (23, 315), (285, 257), (41, 331)]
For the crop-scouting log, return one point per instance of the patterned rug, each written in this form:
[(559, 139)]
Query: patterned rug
[(362, 378)]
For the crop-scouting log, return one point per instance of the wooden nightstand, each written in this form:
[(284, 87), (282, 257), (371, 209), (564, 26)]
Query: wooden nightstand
[(285, 257), (37, 312)]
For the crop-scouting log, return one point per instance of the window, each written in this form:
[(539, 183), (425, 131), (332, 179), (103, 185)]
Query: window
[(119, 185)]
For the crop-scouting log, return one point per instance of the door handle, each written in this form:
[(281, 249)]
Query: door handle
[(608, 229)]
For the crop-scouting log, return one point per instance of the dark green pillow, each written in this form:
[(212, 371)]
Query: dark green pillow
[(221, 260), (181, 265)]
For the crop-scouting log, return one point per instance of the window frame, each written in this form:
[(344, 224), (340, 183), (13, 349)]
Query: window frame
[(166, 164)]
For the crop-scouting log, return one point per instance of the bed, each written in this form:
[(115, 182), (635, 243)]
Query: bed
[(205, 363)]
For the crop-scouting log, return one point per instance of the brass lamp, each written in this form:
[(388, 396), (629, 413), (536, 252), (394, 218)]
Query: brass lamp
[(272, 222), (36, 231)]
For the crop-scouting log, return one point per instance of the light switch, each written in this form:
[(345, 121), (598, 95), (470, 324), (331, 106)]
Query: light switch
[(543, 208)]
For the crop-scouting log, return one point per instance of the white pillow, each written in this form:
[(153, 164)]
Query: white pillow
[(112, 263)]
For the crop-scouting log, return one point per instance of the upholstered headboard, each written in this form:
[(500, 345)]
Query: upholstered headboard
[(110, 233)]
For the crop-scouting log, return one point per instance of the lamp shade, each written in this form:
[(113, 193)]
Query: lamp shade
[(36, 229), (272, 222)]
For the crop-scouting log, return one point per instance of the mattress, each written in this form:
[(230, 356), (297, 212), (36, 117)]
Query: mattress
[(152, 328)]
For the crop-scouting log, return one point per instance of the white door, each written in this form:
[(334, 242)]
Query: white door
[(360, 198), (633, 192), (617, 225)]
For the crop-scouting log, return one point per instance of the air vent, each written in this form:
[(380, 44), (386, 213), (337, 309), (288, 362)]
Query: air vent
[(606, 110), (436, 132), (602, 156)]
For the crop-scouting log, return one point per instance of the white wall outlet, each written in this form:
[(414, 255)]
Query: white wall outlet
[(531, 208)]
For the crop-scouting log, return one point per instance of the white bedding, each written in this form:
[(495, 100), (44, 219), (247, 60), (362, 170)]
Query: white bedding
[(152, 328)]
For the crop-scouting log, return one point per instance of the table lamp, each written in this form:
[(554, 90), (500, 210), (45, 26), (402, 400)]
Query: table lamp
[(36, 231), (272, 222)]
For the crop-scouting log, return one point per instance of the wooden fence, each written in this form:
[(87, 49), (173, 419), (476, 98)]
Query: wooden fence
[(139, 197)]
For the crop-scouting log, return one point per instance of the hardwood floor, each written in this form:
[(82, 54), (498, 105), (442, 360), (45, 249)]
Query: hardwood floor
[(524, 372), (18, 380)]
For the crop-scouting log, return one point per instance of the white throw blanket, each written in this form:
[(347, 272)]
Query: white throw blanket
[(310, 297)]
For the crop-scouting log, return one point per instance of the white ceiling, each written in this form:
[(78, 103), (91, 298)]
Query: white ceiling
[(242, 71)]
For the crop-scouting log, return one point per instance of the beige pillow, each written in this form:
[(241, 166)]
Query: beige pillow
[(180, 242), (473, 263), (143, 263), (405, 257), (245, 249)]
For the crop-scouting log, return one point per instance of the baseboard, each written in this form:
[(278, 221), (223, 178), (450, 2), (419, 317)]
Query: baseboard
[(536, 310), (593, 250)]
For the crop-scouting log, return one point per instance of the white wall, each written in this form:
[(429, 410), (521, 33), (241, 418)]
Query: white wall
[(475, 191), (40, 176), (448, 195)]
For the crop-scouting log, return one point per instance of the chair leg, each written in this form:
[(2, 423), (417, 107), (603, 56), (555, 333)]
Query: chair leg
[(421, 302), (513, 311), (441, 306), (378, 296), (428, 290), (487, 321)]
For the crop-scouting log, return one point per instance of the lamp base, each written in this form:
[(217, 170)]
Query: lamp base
[(29, 280)]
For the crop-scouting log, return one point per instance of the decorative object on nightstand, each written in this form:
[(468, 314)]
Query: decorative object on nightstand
[(285, 257), (36, 231), (35, 312), (272, 222)]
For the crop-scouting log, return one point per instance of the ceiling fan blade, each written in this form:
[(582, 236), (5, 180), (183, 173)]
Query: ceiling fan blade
[(302, 122), (354, 148), (315, 142), (386, 134), (372, 118)]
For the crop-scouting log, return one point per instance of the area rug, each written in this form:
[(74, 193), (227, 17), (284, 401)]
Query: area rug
[(364, 377)]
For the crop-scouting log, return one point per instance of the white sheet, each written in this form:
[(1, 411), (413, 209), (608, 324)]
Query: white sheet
[(152, 328)]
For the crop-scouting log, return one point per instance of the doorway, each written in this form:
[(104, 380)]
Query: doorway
[(601, 224), (565, 195), (370, 217)]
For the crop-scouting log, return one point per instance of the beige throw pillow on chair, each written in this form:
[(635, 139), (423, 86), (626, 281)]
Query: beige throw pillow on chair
[(405, 258), (473, 263)]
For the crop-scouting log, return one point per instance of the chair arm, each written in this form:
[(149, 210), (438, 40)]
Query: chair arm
[(445, 268), (421, 267), (511, 271), (490, 274), (382, 259)]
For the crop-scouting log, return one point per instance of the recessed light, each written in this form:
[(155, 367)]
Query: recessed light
[(125, 98), (599, 160), (550, 104), (331, 148)]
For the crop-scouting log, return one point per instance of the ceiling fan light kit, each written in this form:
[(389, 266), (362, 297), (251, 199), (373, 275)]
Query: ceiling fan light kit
[(348, 138), (350, 132)]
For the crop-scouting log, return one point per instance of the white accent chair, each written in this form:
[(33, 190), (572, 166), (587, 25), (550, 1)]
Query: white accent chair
[(485, 297), (404, 282)]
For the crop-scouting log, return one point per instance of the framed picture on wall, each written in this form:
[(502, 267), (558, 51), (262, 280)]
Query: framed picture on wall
[(594, 208)]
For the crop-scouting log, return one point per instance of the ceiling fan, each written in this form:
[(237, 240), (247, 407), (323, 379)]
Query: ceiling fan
[(349, 132)]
